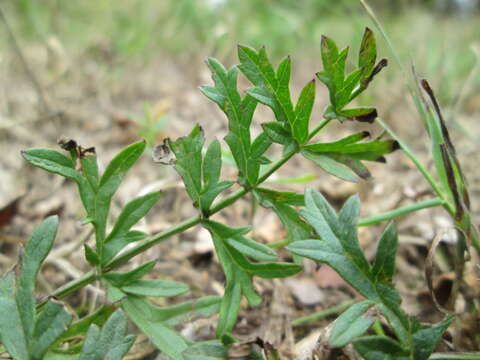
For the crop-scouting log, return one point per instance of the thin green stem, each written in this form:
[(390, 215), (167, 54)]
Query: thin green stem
[(72, 286), (377, 327), (319, 127), (419, 166), (389, 215), (382, 31), (155, 239), (458, 356), (323, 314)]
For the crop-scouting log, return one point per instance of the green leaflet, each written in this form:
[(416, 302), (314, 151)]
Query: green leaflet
[(200, 174), (367, 56), (351, 324), (331, 166), (348, 152), (109, 342), (108, 185), (155, 288)]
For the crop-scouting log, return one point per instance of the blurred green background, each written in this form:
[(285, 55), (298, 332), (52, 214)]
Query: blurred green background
[(438, 36)]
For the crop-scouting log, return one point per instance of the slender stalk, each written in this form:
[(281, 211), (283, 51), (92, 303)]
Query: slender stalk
[(458, 356), (377, 327), (419, 166), (323, 314), (319, 127), (155, 239), (382, 31), (72, 286), (389, 215)]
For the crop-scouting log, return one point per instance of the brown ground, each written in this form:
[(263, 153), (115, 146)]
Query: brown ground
[(90, 99)]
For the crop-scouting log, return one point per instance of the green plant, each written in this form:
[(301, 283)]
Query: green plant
[(334, 237), (151, 122)]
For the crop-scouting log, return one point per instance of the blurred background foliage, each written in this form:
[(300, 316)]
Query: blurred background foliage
[(439, 36)]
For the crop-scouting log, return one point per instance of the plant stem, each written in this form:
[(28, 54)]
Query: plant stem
[(419, 166), (377, 327), (319, 127), (459, 356), (323, 314), (155, 239), (382, 31), (389, 215), (72, 286)]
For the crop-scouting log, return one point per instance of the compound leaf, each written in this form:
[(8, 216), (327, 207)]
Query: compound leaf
[(338, 244), (273, 91), (239, 113)]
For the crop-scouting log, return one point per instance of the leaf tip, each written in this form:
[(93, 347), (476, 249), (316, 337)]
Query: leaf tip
[(395, 145)]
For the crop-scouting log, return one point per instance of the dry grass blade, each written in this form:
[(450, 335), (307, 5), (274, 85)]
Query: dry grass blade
[(429, 272)]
